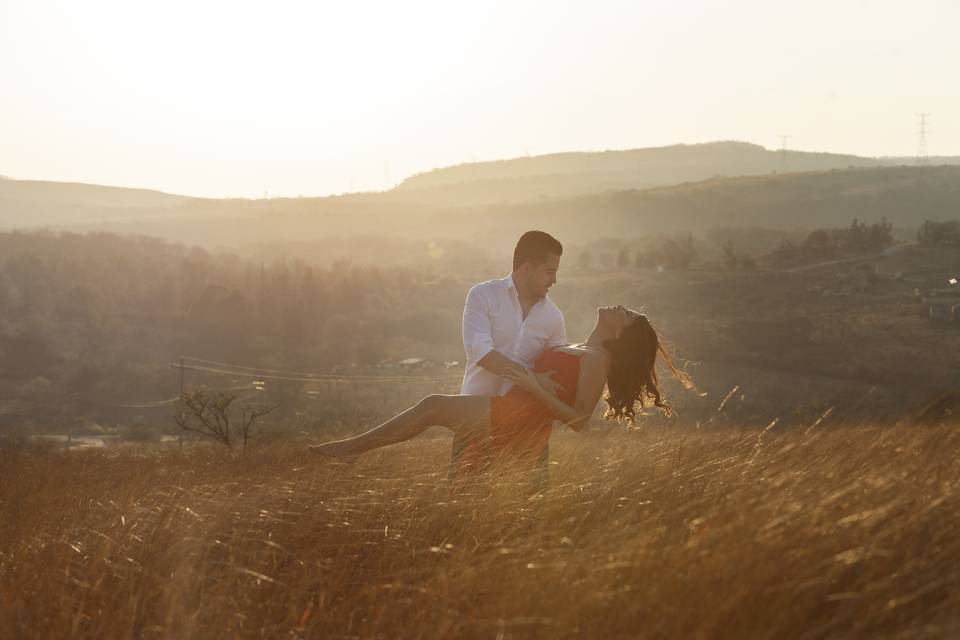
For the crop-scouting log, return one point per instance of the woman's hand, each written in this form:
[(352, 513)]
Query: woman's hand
[(526, 379)]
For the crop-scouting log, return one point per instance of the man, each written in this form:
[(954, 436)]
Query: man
[(508, 322)]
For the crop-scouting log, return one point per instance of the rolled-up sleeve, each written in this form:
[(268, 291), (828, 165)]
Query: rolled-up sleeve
[(557, 334), (477, 329)]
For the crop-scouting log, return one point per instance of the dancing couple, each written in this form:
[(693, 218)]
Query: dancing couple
[(522, 375)]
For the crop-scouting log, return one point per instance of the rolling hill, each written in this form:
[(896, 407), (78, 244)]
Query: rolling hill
[(569, 174), (585, 197), (36, 203), (905, 196), (32, 203)]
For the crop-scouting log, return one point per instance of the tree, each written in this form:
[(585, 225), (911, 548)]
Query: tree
[(786, 254), (623, 258), (819, 243), (934, 233), (208, 412), (4, 293), (856, 237), (26, 354), (880, 234)]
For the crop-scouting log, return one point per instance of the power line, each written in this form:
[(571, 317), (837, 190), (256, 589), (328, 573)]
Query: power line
[(210, 366), (160, 403), (224, 365), (302, 374)]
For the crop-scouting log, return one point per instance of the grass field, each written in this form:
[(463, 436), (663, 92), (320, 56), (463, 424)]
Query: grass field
[(848, 532)]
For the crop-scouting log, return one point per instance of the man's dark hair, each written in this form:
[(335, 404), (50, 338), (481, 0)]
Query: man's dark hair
[(534, 247)]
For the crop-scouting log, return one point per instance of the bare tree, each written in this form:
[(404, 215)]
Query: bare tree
[(208, 412)]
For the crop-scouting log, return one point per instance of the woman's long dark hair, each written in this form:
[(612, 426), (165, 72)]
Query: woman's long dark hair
[(632, 377)]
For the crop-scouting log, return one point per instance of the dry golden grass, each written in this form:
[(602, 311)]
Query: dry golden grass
[(851, 532)]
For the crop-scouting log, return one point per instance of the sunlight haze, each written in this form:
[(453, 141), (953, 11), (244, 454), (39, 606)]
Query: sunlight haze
[(241, 99)]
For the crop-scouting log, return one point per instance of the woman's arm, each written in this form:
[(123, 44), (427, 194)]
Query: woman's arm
[(592, 378)]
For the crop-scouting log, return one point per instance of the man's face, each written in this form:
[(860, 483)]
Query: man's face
[(538, 279)]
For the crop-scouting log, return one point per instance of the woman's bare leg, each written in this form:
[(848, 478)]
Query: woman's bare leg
[(467, 414)]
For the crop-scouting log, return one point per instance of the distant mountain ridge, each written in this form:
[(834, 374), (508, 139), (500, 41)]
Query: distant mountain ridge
[(580, 173), (32, 203), (554, 180), (906, 196), (601, 161)]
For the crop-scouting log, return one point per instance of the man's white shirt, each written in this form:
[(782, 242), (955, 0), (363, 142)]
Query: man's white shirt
[(493, 320)]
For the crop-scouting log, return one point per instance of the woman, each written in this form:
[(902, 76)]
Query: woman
[(620, 353)]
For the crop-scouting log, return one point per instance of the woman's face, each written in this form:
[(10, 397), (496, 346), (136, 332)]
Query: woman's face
[(617, 318)]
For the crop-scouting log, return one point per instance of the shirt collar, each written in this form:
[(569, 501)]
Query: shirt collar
[(512, 286)]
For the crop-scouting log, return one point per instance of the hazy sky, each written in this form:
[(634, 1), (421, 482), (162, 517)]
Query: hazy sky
[(238, 98)]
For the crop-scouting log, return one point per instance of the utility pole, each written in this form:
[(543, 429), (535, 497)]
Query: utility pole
[(783, 152), (922, 159)]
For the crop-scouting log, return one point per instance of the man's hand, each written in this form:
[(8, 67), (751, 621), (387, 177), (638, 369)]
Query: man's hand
[(499, 364), (532, 381), (548, 384)]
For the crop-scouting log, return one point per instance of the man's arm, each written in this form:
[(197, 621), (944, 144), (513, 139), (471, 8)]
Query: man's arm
[(499, 364), (478, 335), (478, 340), (593, 374), (496, 362)]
